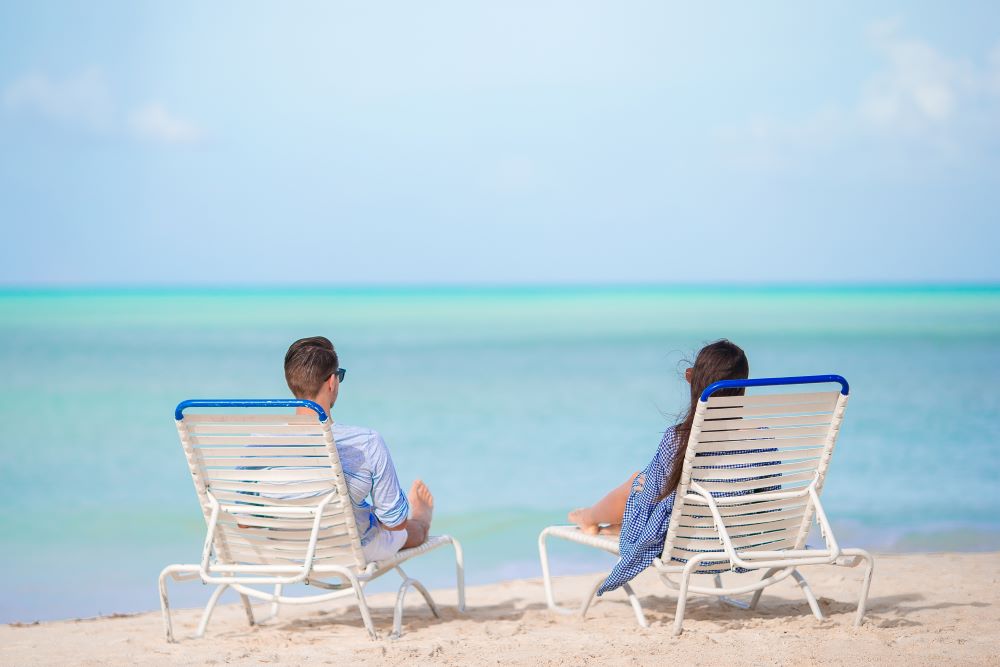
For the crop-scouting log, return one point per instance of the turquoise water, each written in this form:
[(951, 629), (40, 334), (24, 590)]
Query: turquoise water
[(514, 404)]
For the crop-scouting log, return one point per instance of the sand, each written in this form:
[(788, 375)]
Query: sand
[(925, 609)]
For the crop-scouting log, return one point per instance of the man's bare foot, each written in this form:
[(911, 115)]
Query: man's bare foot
[(583, 518), (418, 526), (421, 502)]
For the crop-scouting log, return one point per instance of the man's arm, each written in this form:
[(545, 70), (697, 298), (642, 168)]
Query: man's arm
[(389, 504), (399, 526)]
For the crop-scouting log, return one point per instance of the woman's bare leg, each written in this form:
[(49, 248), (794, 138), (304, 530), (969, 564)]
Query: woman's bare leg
[(608, 509)]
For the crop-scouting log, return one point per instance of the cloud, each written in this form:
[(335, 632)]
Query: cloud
[(919, 99), (919, 87), (86, 103), (82, 100), (155, 123)]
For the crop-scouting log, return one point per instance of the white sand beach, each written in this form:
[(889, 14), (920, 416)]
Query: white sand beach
[(924, 609)]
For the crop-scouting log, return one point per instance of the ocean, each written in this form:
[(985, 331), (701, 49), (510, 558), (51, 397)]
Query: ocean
[(514, 404)]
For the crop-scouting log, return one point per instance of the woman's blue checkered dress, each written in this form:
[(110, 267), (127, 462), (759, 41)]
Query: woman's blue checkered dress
[(645, 521)]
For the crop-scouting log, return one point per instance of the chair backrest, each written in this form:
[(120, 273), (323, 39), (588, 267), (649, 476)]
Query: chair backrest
[(269, 462), (758, 456)]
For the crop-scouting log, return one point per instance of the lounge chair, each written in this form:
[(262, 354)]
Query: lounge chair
[(748, 493), (274, 497)]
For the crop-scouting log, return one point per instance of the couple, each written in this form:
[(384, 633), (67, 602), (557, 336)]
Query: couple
[(640, 508)]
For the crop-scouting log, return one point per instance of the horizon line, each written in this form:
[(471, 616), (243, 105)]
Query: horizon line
[(110, 288)]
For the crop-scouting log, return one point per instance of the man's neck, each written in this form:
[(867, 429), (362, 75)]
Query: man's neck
[(308, 411)]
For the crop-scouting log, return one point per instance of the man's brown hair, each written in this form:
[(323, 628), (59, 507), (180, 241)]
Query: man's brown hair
[(309, 363)]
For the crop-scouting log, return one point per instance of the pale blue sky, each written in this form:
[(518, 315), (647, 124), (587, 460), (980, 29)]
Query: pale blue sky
[(525, 142)]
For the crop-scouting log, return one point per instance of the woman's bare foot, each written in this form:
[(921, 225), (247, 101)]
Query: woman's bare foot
[(583, 517)]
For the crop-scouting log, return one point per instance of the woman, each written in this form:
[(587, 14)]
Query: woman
[(642, 505)]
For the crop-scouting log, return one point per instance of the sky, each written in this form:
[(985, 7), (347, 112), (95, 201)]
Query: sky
[(323, 143)]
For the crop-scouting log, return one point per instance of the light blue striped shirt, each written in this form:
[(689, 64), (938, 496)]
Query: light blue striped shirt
[(369, 472)]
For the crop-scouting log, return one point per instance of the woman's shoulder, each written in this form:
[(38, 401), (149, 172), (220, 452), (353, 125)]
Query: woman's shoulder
[(667, 449), (669, 439)]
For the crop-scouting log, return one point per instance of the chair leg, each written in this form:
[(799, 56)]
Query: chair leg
[(810, 598), (640, 616), (209, 608), (459, 573), (682, 592), (397, 617), (407, 579), (590, 598), (165, 605), (725, 599), (865, 585), (427, 598), (756, 596), (274, 605), (248, 609), (681, 603), (366, 616), (543, 555)]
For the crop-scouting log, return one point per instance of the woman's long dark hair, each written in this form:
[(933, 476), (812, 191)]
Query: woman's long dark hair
[(721, 360)]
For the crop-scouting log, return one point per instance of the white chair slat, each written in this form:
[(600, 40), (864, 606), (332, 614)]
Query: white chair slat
[(317, 449), (745, 411), (255, 429), (307, 474), (781, 539), (260, 440), (684, 545), (807, 431), (747, 504), (786, 482), (259, 501), (787, 398), (742, 530), (702, 475), (330, 523), (318, 459), (749, 519), (760, 457), (265, 489), (268, 556), (285, 418), (328, 537), (767, 422), (290, 538), (770, 438), (279, 545)]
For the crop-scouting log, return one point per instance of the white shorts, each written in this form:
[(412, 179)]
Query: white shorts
[(384, 544)]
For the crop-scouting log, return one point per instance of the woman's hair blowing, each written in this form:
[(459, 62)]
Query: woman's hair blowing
[(721, 360)]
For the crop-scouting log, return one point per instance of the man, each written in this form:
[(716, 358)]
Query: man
[(390, 521)]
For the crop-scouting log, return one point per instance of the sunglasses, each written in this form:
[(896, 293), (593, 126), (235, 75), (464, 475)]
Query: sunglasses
[(340, 373)]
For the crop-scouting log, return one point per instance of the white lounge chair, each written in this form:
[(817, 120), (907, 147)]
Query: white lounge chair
[(274, 497), (788, 438)]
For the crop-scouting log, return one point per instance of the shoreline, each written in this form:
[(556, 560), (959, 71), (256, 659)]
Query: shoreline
[(937, 608)]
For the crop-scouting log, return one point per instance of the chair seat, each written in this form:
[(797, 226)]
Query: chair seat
[(433, 542), (604, 541)]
